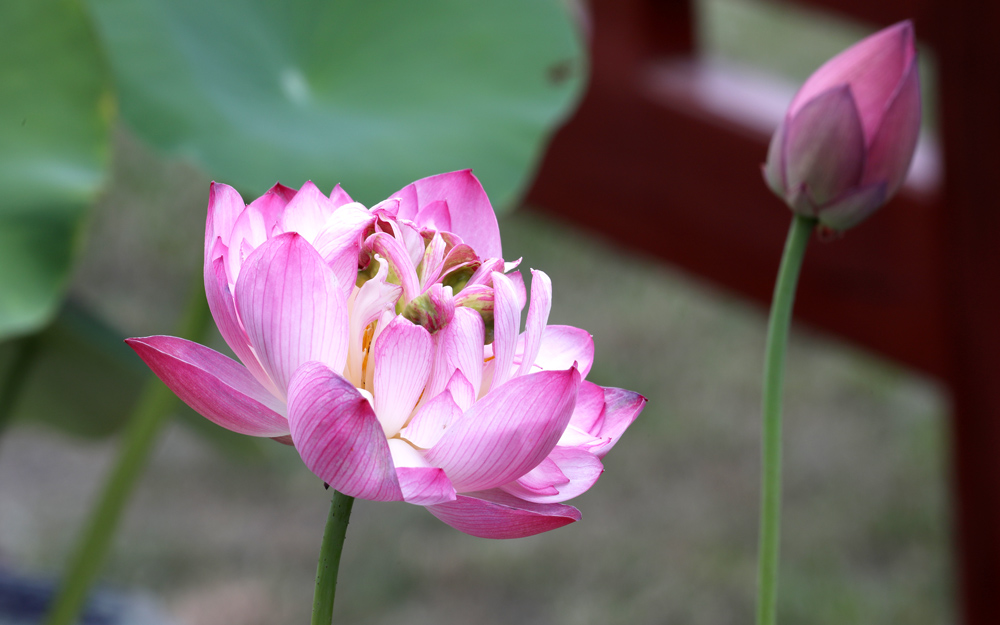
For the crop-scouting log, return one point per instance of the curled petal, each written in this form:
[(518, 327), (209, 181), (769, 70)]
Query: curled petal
[(401, 268), (338, 436), (508, 432), (496, 514), (292, 307), (538, 317), (215, 386)]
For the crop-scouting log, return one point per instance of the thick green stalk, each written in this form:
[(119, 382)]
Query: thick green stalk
[(774, 378), (147, 420), (329, 558)]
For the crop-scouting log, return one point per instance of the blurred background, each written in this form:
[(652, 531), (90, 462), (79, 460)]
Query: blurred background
[(620, 144)]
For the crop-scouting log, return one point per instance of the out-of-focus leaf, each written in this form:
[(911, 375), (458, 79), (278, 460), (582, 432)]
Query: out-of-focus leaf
[(370, 94), (55, 112), (85, 381)]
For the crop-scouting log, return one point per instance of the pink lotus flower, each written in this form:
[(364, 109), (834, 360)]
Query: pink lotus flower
[(850, 132), (385, 345)]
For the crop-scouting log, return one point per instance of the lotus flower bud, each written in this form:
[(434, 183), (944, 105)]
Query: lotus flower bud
[(849, 135)]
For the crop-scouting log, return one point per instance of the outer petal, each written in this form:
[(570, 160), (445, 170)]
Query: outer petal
[(339, 197), (562, 346), (402, 354), (621, 407), (891, 149), (853, 207), (292, 307), (579, 468), (496, 514), (421, 483), (215, 386), (825, 146), (220, 302), (472, 216), (507, 433), (338, 436), (224, 206), (774, 167)]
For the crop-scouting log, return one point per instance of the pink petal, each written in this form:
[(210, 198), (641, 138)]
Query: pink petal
[(220, 302), (825, 146), (215, 386), (872, 67), (620, 410), (430, 267), (496, 514), (508, 432), (292, 307), (472, 216), (375, 297), (458, 346), (253, 227), (307, 213), (564, 345), (590, 406), (578, 468), (339, 197), (402, 355), (338, 436), (538, 317), (224, 207), (431, 421), (853, 207), (435, 216), (506, 325), (421, 483), (892, 147), (340, 243), (399, 261)]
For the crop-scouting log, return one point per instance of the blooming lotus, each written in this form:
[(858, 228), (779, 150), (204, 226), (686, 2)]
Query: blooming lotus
[(849, 135), (385, 345)]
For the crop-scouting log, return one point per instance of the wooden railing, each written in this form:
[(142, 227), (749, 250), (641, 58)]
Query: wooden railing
[(664, 156)]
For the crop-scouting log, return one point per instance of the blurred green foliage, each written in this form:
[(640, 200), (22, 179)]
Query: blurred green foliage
[(372, 95)]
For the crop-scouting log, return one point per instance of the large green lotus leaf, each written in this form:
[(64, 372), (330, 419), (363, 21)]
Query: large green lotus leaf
[(55, 111), (370, 94)]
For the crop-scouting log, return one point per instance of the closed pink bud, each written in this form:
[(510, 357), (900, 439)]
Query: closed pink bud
[(849, 135)]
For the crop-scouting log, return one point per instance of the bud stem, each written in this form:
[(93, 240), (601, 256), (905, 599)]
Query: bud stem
[(774, 377), (329, 558)]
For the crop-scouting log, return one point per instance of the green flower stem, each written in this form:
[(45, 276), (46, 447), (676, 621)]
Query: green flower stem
[(147, 420), (329, 558), (774, 378), (26, 350)]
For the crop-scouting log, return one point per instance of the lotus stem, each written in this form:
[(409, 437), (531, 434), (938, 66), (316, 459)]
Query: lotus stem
[(144, 425), (329, 558), (774, 377)]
